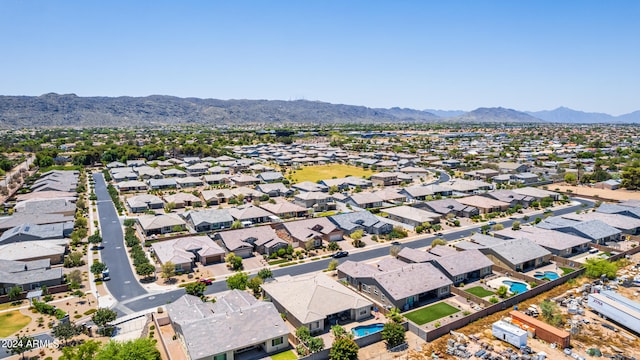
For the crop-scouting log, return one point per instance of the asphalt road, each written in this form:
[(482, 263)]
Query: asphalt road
[(319, 265), (124, 283)]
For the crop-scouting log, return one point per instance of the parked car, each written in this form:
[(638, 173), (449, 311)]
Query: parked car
[(491, 223), (438, 234), (206, 281), (396, 243), (340, 254)]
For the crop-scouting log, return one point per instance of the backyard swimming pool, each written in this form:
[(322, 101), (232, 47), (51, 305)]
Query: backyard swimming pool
[(551, 275), (365, 330), (515, 286)]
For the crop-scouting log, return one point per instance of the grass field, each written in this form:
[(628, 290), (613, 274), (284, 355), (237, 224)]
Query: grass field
[(479, 291), (566, 270), (320, 172), (12, 321), (285, 355), (430, 313)]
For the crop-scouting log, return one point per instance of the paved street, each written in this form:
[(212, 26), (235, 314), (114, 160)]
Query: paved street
[(124, 283), (319, 265)]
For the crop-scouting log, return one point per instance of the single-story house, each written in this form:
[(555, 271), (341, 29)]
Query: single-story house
[(285, 209), (217, 179), (450, 206), (511, 197), (274, 189), (459, 266), (32, 232), (52, 249), (307, 186), (391, 195), (558, 243), (161, 184), (517, 254), (385, 179), (361, 220), (364, 200), (483, 204), (538, 194), (134, 185), (28, 275), (144, 202), (316, 301), (185, 252), (189, 181), (270, 176), (396, 284), (250, 214), (182, 200), (161, 224), (300, 232), (412, 216), (244, 180), (597, 231), (209, 219), (243, 242), (174, 173), (237, 319), (318, 201)]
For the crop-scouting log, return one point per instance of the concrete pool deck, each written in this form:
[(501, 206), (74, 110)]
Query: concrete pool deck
[(499, 281)]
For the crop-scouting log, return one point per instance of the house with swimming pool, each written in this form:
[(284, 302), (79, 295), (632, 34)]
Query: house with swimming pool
[(316, 301), (394, 283), (558, 243), (517, 254), (459, 266)]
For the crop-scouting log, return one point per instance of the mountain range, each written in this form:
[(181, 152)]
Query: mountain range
[(71, 110)]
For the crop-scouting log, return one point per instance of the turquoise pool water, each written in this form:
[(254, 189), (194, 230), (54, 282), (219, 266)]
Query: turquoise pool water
[(359, 331), (515, 286), (551, 275)]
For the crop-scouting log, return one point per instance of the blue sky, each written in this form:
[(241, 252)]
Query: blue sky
[(526, 55)]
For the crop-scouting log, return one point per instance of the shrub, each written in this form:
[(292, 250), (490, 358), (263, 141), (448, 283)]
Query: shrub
[(494, 300)]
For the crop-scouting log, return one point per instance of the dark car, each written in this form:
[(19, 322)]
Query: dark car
[(396, 243), (206, 281), (340, 254), (438, 234)]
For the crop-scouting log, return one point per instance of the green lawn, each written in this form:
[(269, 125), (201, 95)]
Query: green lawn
[(479, 291), (320, 172), (12, 321), (566, 270), (285, 355), (430, 313)]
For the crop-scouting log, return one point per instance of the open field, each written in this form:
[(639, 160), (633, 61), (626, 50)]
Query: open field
[(12, 321), (431, 313), (319, 172), (479, 291), (604, 194)]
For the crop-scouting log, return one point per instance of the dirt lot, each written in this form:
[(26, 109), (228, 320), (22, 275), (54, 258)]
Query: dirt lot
[(591, 335), (604, 194)]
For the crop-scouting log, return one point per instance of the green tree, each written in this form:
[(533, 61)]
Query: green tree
[(236, 225), (255, 284), (98, 267), (393, 334), (315, 344), (265, 273), (595, 268), (515, 225), (333, 264), (74, 259), (21, 345), (65, 331), (570, 178), (438, 241), (233, 261), (139, 349), (357, 235), (14, 292), (550, 313), (95, 239), (195, 288), (344, 348), (502, 291), (168, 270), (145, 269), (497, 227), (631, 178), (103, 316), (238, 281), (85, 351), (338, 331), (333, 246)]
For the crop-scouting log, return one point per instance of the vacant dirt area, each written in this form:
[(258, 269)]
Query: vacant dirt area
[(604, 194)]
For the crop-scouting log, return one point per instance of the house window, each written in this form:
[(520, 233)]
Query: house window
[(384, 298), (220, 357), (375, 291), (277, 341)]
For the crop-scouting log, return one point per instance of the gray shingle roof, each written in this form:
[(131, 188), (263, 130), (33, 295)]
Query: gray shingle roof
[(236, 319)]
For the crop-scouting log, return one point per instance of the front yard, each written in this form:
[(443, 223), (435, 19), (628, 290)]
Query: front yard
[(431, 313)]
